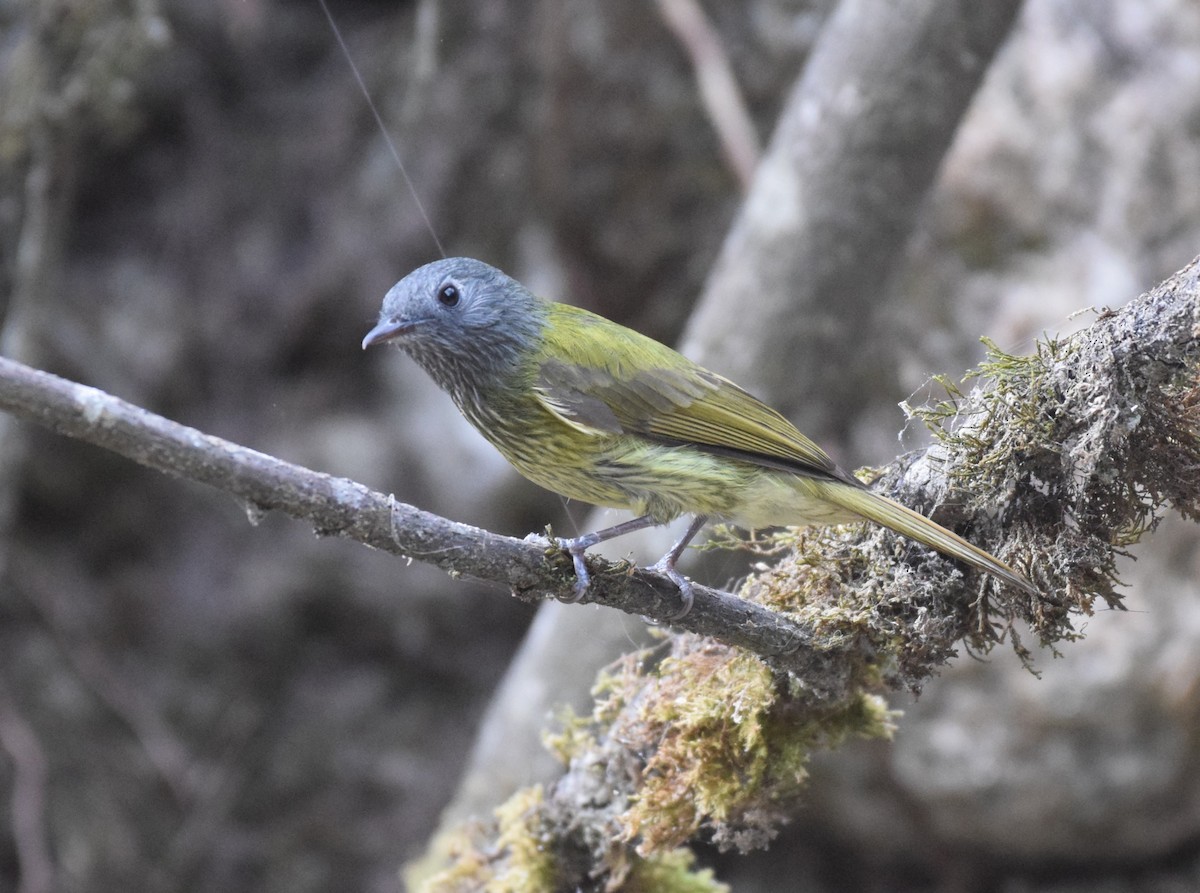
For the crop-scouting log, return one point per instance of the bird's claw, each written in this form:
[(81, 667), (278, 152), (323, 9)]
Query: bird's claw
[(686, 595), (576, 548)]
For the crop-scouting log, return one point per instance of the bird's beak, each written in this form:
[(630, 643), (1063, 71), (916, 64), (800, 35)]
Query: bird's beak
[(388, 330)]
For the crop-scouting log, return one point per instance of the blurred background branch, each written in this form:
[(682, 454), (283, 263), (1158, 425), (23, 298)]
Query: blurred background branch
[(717, 85)]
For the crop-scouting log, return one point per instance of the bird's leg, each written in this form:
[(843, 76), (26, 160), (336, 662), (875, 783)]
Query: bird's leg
[(666, 566), (577, 546)]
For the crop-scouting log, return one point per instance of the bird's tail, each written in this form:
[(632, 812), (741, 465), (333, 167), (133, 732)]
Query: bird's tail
[(916, 526)]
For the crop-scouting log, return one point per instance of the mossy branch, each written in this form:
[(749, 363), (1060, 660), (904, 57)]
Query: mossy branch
[(1055, 461)]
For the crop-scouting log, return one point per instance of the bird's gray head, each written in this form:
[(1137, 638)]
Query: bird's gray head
[(466, 323)]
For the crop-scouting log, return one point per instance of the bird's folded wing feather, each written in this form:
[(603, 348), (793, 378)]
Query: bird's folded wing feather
[(605, 379)]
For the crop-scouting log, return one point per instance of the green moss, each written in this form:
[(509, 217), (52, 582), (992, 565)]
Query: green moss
[(511, 855), (573, 735), (452, 863), (671, 872), (529, 865), (729, 748)]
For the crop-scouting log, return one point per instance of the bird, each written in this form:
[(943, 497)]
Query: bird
[(595, 411)]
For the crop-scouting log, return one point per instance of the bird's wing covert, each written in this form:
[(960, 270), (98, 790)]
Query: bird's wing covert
[(602, 378)]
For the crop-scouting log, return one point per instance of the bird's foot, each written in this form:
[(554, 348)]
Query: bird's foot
[(666, 567), (577, 547)]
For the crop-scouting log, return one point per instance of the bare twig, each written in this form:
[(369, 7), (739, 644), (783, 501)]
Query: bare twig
[(337, 506), (718, 86)]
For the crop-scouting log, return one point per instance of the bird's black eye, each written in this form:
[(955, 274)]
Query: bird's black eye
[(448, 295)]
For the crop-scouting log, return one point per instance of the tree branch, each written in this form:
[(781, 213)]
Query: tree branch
[(337, 506)]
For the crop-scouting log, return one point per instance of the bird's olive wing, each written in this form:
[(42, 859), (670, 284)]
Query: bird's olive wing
[(605, 379)]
